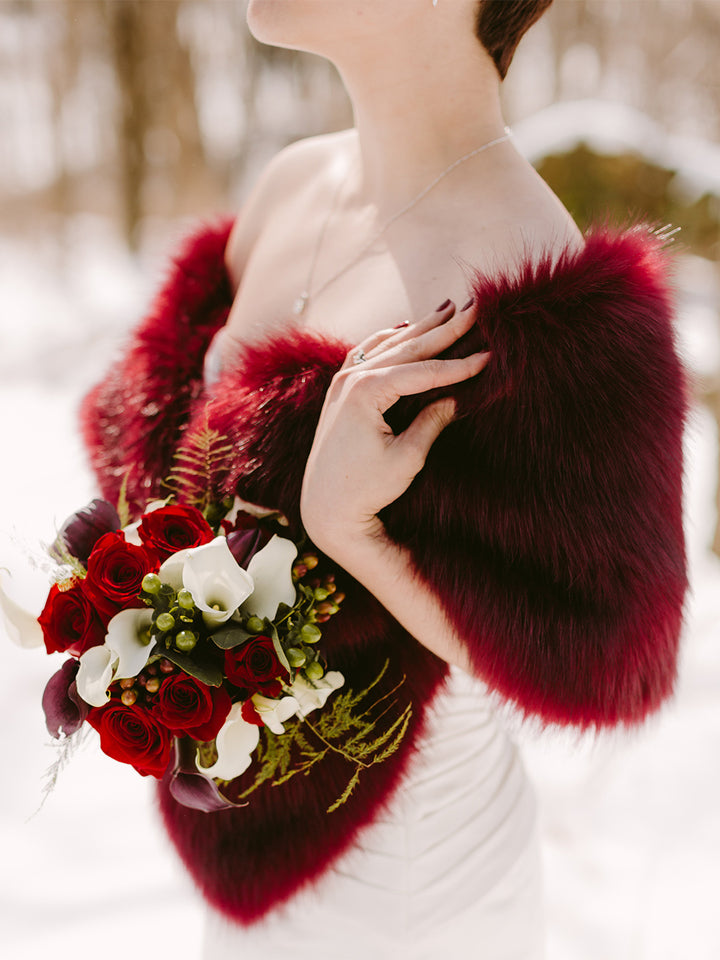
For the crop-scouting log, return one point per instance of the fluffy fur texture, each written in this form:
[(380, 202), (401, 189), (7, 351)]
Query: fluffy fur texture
[(548, 517)]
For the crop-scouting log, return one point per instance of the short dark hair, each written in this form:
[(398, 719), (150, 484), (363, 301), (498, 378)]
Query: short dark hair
[(500, 25)]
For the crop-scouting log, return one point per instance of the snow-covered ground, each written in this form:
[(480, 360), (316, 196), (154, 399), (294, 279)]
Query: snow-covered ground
[(631, 825)]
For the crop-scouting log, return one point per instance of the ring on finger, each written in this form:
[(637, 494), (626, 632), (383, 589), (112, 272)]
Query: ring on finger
[(359, 356)]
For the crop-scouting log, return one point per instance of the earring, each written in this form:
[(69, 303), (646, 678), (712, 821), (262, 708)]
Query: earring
[(434, 3)]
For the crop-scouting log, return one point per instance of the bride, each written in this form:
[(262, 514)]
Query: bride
[(514, 534)]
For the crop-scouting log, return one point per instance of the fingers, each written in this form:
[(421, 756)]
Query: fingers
[(377, 343), (387, 384), (424, 344), (425, 429)]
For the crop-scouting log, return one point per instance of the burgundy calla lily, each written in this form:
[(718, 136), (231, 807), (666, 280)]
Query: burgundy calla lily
[(191, 788), (244, 544), (65, 710), (81, 531)]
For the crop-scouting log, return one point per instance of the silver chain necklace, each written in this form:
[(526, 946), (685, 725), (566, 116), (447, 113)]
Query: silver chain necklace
[(301, 303)]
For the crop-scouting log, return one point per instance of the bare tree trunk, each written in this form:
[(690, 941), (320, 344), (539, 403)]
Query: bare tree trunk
[(126, 37)]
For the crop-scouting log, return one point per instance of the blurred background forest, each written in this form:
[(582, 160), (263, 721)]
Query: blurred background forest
[(122, 122)]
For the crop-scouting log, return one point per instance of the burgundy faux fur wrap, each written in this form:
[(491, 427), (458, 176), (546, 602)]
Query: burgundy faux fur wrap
[(548, 516)]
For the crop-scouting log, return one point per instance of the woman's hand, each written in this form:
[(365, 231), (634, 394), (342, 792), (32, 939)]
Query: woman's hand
[(357, 465)]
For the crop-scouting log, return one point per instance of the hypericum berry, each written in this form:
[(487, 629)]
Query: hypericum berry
[(321, 593), (299, 570), (127, 683), (254, 625), (314, 670), (186, 640), (310, 633), (338, 596), (151, 583), (165, 622), (327, 606), (128, 697), (166, 666), (152, 685), (296, 658), (322, 617), (310, 560), (185, 600)]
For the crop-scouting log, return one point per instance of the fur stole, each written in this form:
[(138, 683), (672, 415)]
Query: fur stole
[(548, 517)]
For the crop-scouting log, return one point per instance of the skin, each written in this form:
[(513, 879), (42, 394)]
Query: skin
[(424, 93)]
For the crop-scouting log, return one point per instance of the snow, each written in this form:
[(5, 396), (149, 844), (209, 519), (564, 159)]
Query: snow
[(630, 826)]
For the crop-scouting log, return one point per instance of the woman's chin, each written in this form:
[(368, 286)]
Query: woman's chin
[(280, 23)]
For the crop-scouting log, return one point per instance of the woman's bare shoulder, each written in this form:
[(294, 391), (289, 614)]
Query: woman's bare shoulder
[(288, 173)]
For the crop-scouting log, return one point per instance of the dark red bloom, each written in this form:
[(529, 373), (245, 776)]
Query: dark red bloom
[(255, 667), (132, 735), (80, 532), (172, 528), (69, 621), (188, 706), (64, 709), (115, 573)]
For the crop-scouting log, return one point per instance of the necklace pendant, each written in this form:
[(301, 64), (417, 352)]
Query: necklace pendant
[(300, 304)]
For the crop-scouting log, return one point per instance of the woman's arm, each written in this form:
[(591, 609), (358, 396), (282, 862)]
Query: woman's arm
[(357, 465)]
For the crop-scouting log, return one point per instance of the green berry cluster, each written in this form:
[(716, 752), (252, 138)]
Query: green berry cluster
[(176, 619)]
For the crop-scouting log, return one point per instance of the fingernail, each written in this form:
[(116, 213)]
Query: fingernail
[(443, 305), (405, 323), (467, 306)]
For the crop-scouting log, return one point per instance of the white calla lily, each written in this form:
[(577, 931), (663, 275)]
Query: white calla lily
[(274, 712), (235, 743), (22, 627), (271, 572), (126, 636), (171, 571), (95, 675), (218, 585), (311, 696), (124, 654)]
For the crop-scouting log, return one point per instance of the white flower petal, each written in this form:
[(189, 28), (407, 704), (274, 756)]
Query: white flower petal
[(235, 743), (275, 712), (171, 571), (132, 535), (125, 638), (95, 675), (310, 696), (243, 506), (271, 571), (216, 581), (22, 627)]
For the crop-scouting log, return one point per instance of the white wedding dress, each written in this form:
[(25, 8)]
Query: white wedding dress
[(452, 867)]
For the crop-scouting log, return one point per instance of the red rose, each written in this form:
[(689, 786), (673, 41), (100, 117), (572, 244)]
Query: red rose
[(255, 667), (187, 706), (172, 528), (132, 735), (69, 622), (115, 573)]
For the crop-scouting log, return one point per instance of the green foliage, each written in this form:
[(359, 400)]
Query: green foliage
[(625, 187), (343, 727), (196, 467), (123, 507)]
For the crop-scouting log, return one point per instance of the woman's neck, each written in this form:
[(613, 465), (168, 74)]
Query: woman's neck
[(416, 116)]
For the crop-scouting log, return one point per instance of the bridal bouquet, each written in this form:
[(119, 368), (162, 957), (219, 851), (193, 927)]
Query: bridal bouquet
[(187, 641)]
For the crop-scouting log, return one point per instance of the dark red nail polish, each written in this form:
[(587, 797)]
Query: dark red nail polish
[(443, 305), (467, 306), (404, 323)]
